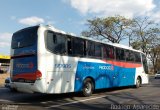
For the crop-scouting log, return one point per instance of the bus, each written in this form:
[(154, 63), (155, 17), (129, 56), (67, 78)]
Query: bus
[(47, 60)]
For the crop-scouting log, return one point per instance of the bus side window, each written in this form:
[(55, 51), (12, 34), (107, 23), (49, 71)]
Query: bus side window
[(90, 49), (132, 57), (129, 55), (78, 46), (137, 57), (56, 43), (120, 54), (108, 52), (49, 41), (94, 49), (98, 50)]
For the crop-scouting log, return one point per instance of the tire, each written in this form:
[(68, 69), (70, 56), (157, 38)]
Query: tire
[(13, 90), (88, 87), (138, 82)]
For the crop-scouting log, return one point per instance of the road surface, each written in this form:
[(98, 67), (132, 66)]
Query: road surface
[(145, 97)]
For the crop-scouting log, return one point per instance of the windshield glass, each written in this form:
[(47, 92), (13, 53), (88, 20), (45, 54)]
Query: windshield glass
[(24, 38)]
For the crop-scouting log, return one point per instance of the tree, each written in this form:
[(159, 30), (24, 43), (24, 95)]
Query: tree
[(145, 33), (114, 29), (154, 56), (146, 37)]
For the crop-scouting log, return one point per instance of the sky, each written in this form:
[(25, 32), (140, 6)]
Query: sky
[(67, 15)]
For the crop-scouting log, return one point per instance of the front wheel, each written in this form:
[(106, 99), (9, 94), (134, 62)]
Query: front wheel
[(88, 87), (138, 82)]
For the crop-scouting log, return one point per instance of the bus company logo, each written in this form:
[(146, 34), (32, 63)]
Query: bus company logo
[(63, 66), (106, 67), (29, 65)]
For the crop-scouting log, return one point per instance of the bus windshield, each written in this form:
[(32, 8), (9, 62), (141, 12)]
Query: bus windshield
[(24, 38)]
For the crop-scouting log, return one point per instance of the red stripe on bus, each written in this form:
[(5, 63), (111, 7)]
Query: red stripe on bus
[(28, 76), (123, 64)]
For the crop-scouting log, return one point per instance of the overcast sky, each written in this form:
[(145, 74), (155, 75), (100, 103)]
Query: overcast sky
[(66, 15)]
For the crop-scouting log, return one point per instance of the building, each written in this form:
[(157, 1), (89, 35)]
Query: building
[(4, 63)]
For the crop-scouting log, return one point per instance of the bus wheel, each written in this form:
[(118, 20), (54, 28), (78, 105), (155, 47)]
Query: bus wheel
[(138, 82), (88, 87), (13, 90)]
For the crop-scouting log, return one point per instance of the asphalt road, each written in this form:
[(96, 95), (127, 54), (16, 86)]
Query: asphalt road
[(145, 97)]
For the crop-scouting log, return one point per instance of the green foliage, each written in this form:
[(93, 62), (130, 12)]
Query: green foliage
[(146, 37), (114, 29)]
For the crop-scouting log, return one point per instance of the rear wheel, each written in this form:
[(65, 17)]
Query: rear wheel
[(88, 87), (138, 82), (13, 90)]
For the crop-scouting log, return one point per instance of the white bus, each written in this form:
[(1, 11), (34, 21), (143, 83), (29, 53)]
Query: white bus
[(46, 60)]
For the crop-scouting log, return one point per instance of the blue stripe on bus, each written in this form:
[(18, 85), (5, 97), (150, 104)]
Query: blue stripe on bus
[(105, 75)]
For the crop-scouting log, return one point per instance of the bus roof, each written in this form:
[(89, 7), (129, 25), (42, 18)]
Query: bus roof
[(50, 27)]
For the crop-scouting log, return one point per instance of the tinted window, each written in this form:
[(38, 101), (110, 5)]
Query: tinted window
[(132, 57), (137, 57), (129, 55), (24, 38), (94, 49), (120, 54), (91, 49), (56, 42), (108, 52), (78, 46), (98, 50)]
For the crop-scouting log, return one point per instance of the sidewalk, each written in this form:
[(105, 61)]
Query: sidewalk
[(2, 78)]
